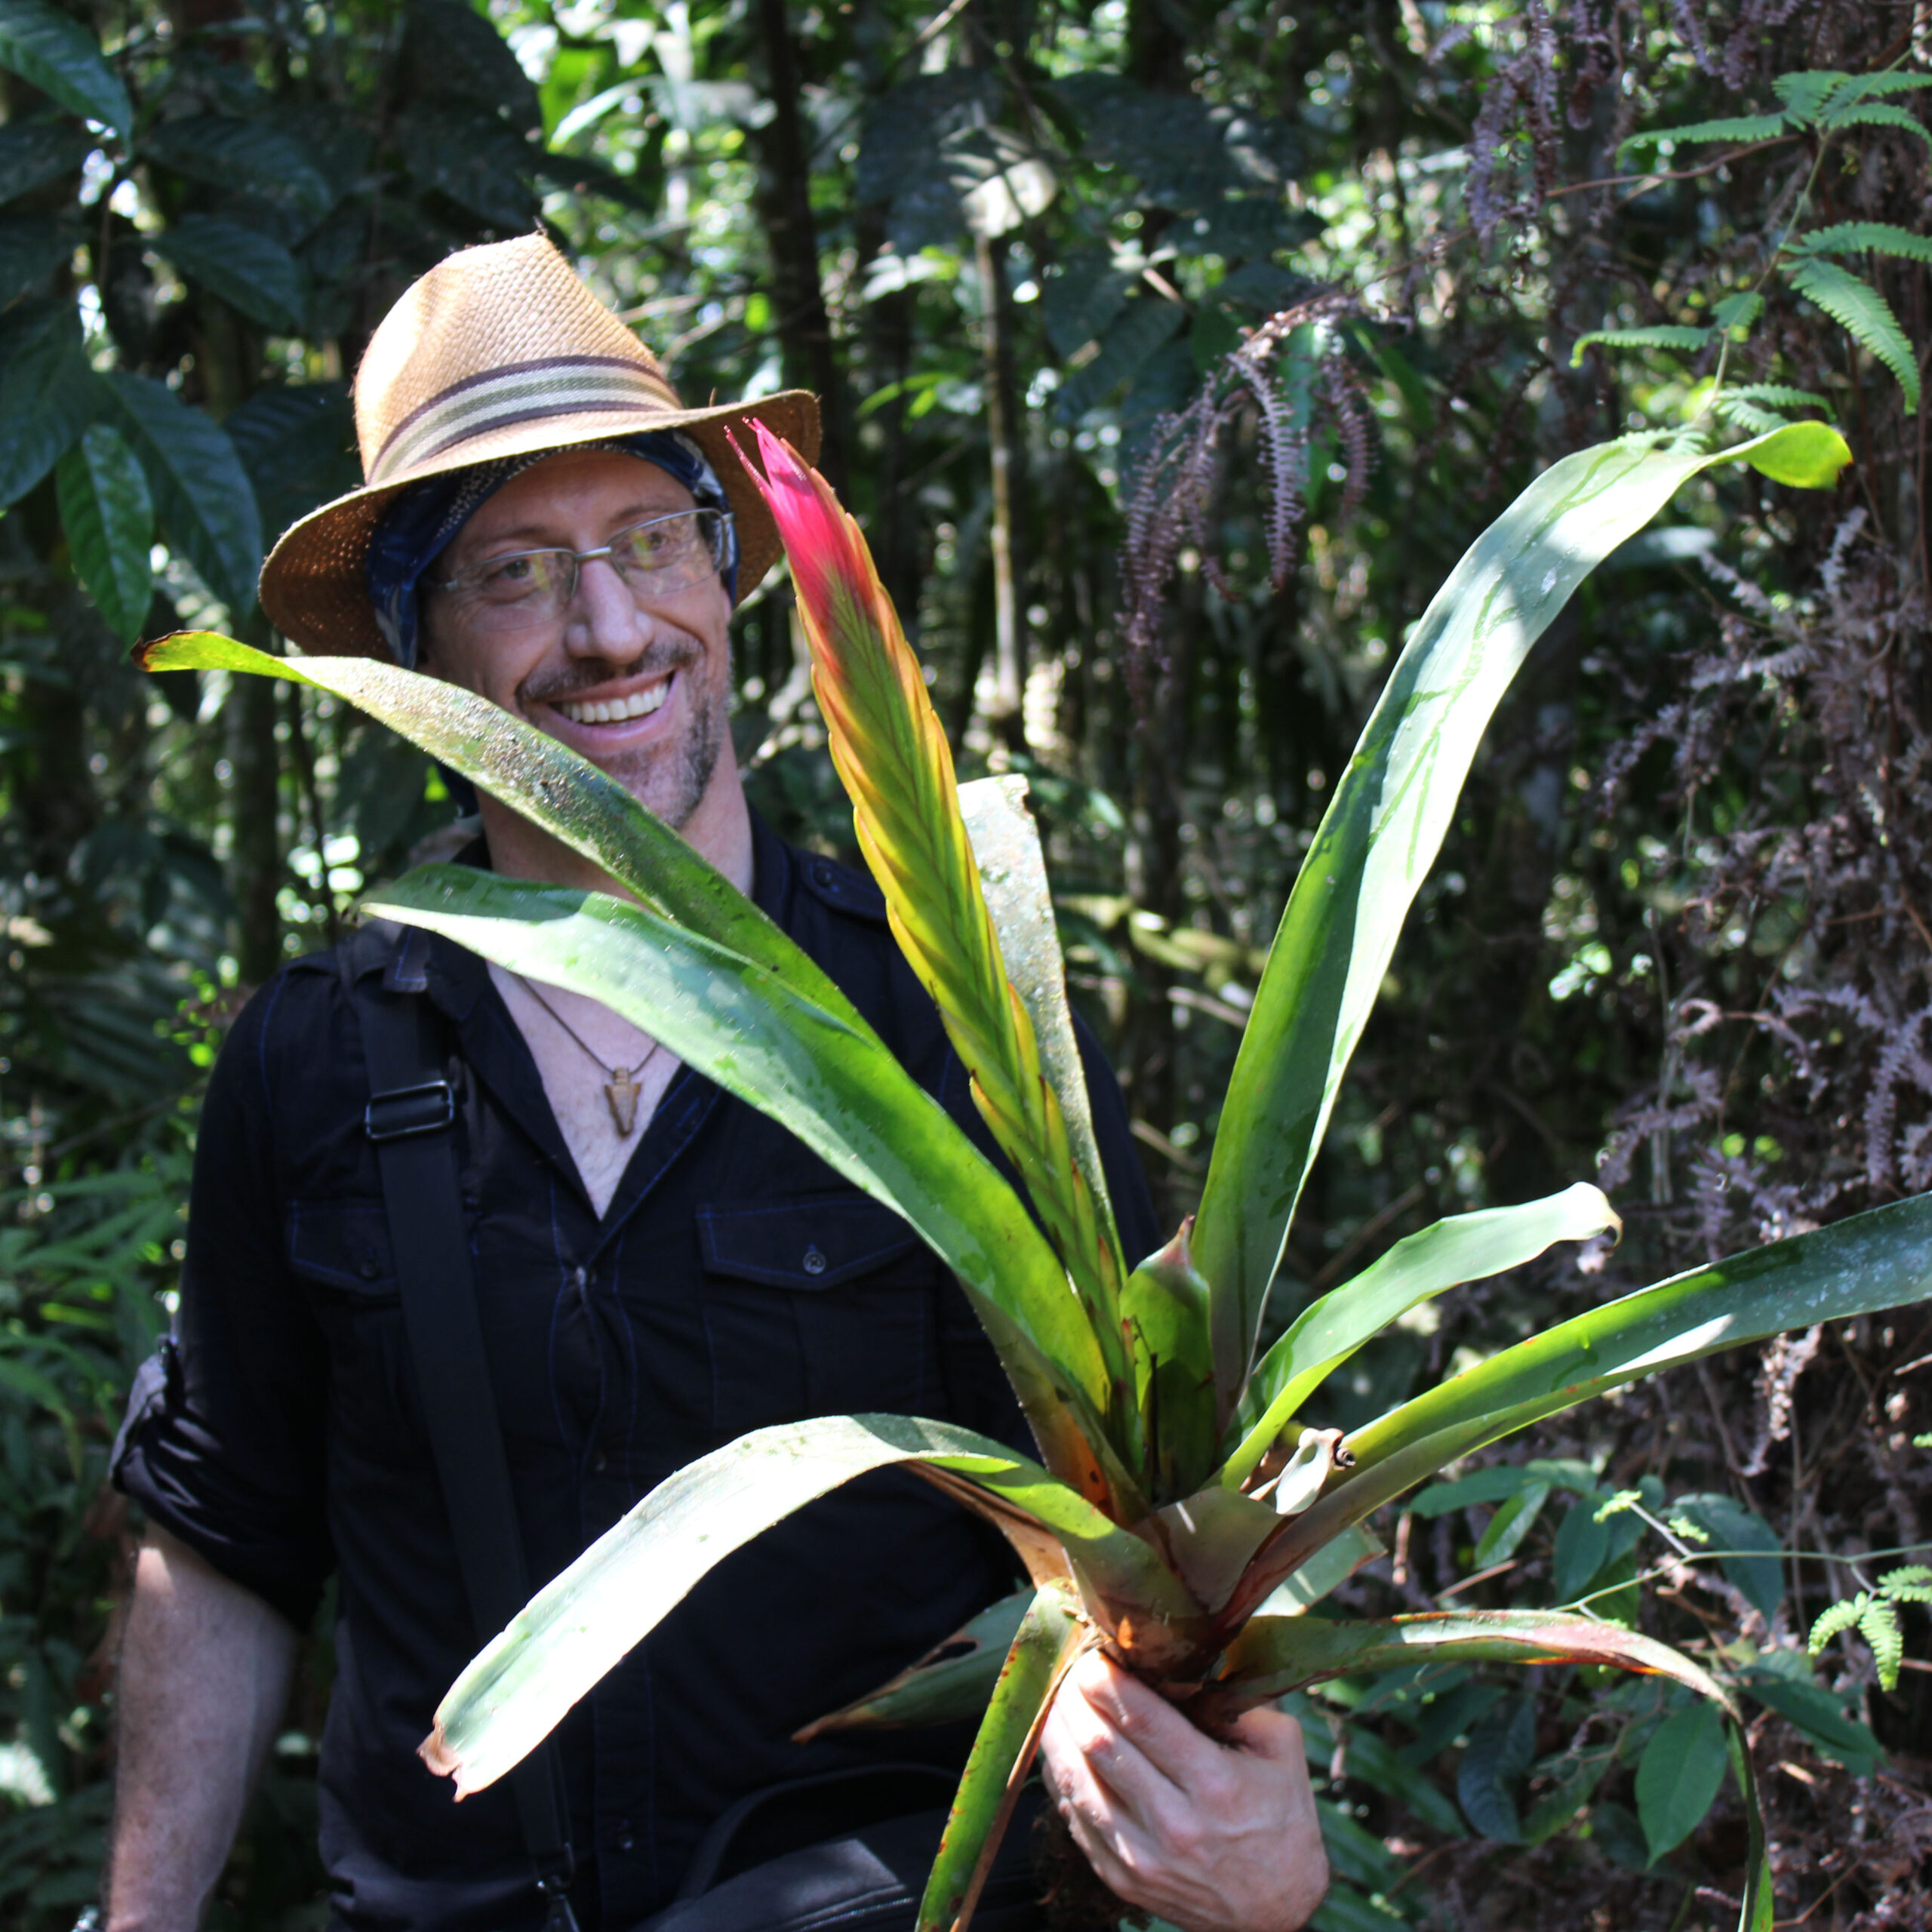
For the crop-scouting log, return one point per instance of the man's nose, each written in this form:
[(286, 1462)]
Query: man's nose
[(603, 620)]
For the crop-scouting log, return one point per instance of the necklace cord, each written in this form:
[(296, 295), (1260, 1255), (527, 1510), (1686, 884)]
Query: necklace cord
[(616, 1073)]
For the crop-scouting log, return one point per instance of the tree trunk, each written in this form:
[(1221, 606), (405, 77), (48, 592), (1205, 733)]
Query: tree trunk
[(784, 199), (1006, 716)]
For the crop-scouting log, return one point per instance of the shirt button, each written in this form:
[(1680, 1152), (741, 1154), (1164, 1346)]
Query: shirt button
[(627, 1838), (366, 1267), (814, 1263), (581, 1277), (600, 1462)]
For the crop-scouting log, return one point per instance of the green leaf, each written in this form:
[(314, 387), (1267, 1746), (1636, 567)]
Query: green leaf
[(206, 505), (53, 52), (250, 271), (1664, 335), (1345, 1909), (1510, 1525), (1780, 395), (1377, 843), (1805, 94), (109, 517), (1496, 1484), (1859, 309), (1582, 1549), (1049, 1638), (1499, 1750), (1869, 87), (1808, 456), (35, 153), (1879, 1259), (950, 1684), (584, 1622), (1812, 1709), (1859, 238), (834, 1083), (1726, 127), (1678, 1776), (1879, 1626), (1746, 1546), (225, 151), (1876, 114), (49, 393), (1372, 1760), (1468, 1248)]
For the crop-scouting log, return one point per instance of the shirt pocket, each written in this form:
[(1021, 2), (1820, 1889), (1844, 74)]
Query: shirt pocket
[(342, 1253), (818, 1304)]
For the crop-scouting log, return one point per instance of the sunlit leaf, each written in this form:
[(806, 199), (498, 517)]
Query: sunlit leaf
[(1678, 1776), (109, 517), (53, 52)]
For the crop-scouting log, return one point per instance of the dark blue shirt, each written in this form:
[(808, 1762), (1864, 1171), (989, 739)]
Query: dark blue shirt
[(735, 1281)]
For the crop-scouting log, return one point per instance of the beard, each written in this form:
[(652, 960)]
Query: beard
[(667, 779)]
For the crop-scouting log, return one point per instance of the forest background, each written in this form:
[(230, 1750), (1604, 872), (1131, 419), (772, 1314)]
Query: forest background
[(1678, 941)]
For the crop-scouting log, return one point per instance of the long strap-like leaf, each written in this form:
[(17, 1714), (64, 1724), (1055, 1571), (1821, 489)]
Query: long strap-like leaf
[(1383, 828), (582, 1622), (892, 756), (1050, 1636)]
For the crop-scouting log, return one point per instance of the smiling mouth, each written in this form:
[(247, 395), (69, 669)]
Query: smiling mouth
[(617, 710)]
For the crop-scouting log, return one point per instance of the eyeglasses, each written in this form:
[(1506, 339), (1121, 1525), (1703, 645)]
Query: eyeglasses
[(653, 558)]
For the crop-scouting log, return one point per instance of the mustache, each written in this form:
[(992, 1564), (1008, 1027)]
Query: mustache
[(658, 659)]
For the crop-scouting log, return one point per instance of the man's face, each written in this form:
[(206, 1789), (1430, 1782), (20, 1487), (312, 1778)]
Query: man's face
[(641, 686)]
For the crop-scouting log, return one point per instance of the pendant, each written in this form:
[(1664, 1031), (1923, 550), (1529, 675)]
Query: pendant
[(622, 1094)]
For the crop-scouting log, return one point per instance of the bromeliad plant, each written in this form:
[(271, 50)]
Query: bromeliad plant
[(1180, 1512)]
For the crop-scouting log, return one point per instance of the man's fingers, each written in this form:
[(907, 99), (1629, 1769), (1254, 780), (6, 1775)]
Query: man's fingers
[(1270, 1733), (1144, 1721)]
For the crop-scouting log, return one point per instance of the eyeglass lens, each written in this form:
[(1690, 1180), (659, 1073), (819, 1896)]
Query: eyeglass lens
[(667, 554)]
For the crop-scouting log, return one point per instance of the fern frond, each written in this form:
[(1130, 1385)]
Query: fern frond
[(1913, 1584), (1855, 238), (1879, 1626), (1729, 128), (1804, 95), (1875, 114), (1736, 315), (1780, 395), (1739, 413), (1665, 335), (1859, 309), (1869, 87), (1841, 1617)]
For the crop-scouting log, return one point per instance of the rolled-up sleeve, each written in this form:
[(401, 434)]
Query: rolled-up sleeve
[(222, 1443)]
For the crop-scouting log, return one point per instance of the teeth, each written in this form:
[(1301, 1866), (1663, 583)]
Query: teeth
[(618, 711)]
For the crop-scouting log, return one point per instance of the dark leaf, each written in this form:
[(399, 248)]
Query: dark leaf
[(31, 247), (1134, 335), (1758, 1570), (1678, 1776), (49, 393), (297, 443), (1082, 296), (903, 161), (245, 156), (1499, 1751), (1174, 145), (206, 502), (35, 153), (53, 52), (1820, 1716), (249, 270), (474, 159), (109, 516), (451, 52)]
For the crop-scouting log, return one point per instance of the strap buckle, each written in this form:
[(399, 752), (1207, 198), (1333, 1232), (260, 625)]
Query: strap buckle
[(396, 1116)]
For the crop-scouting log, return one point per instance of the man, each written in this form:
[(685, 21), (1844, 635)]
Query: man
[(657, 1267)]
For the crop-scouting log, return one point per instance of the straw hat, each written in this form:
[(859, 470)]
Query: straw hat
[(498, 351)]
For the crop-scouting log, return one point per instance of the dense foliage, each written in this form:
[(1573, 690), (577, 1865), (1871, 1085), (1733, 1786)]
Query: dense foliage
[(1682, 920)]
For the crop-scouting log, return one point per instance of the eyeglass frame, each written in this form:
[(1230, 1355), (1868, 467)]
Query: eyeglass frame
[(465, 579)]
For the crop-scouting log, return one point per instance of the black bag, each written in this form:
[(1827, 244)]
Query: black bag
[(770, 1864)]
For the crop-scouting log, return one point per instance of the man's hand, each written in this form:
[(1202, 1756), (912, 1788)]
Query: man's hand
[(1213, 1838)]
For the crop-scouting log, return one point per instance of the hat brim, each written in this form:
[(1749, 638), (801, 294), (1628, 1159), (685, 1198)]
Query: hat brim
[(314, 588)]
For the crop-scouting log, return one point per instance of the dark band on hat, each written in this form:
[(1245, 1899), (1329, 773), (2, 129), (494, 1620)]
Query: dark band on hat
[(525, 392)]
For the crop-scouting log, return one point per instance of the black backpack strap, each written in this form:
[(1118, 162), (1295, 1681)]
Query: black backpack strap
[(410, 1112)]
